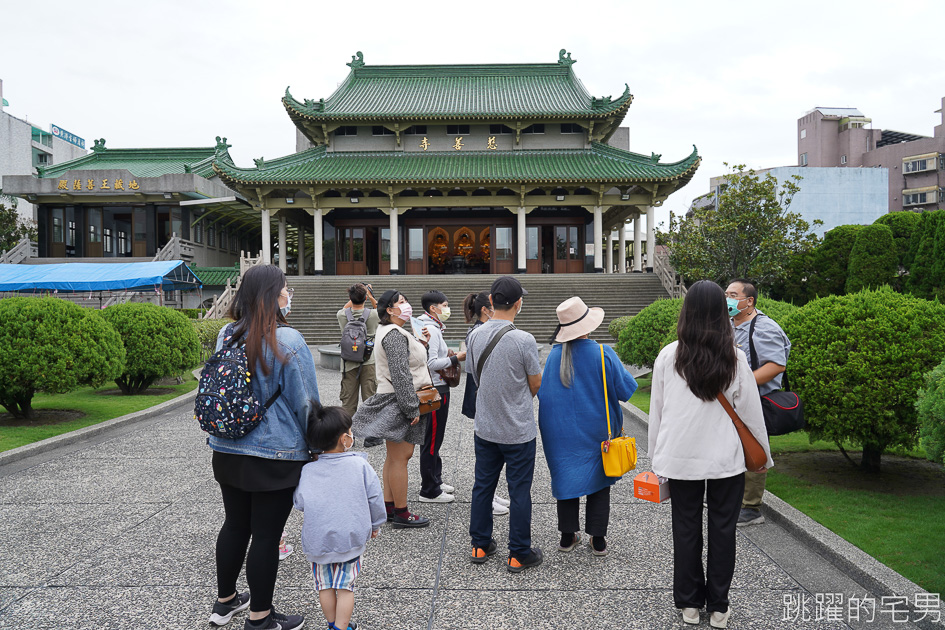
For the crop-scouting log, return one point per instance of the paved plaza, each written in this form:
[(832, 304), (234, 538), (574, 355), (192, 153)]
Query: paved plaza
[(118, 531)]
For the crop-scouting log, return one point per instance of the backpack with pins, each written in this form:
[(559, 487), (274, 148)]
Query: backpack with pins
[(355, 345), (225, 405)]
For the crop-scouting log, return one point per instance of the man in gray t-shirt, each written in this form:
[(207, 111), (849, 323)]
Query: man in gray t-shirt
[(505, 429)]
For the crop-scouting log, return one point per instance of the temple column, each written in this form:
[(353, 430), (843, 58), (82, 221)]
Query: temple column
[(610, 252), (319, 240), (598, 239), (282, 243), (266, 237), (622, 263), (301, 250), (394, 243), (637, 246), (650, 238), (521, 240)]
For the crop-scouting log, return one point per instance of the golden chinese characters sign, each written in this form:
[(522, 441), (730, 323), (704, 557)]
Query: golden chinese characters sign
[(99, 184)]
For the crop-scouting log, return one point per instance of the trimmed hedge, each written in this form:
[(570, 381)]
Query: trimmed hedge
[(903, 225), (642, 338), (872, 260), (54, 346), (926, 257), (858, 361), (617, 325), (207, 332), (831, 261), (158, 341), (931, 410)]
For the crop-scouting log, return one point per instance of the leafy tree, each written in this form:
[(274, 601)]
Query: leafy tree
[(12, 227), (931, 409), (797, 284), (158, 341), (831, 261), (872, 260), (53, 346), (642, 338), (903, 225), (926, 257), (748, 233), (858, 361)]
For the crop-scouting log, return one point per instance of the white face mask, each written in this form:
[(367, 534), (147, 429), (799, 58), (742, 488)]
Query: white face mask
[(288, 307), (520, 305), (444, 313), (350, 445)]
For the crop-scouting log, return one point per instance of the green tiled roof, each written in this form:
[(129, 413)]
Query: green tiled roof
[(216, 276), (140, 162), (600, 163), (495, 92)]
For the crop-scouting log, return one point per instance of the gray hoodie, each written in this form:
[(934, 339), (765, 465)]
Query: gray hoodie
[(342, 500)]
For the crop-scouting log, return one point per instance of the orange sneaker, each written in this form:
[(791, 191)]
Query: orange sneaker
[(481, 554), (517, 565)]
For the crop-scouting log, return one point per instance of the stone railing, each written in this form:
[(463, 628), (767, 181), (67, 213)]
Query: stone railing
[(176, 249), (221, 303), (20, 252), (247, 261), (672, 282)]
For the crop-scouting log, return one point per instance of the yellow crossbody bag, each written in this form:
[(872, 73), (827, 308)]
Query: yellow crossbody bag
[(619, 454)]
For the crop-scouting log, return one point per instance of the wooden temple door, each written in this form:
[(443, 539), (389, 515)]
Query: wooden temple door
[(416, 260), (351, 248), (569, 255)]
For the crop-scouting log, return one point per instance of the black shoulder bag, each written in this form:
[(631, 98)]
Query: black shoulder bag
[(783, 409)]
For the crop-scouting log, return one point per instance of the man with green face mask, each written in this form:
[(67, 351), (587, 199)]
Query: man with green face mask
[(755, 330)]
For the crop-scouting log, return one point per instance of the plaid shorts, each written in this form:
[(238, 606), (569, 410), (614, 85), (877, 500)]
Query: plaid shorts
[(337, 575)]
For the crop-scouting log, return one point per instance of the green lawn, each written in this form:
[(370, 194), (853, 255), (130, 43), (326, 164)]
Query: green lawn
[(903, 532), (96, 407)]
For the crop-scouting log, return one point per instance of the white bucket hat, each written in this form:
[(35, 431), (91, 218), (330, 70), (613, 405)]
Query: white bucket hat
[(575, 319)]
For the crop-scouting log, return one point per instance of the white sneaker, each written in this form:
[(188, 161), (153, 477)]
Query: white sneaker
[(498, 509), (285, 550), (443, 497), (445, 487), (501, 501), (691, 616), (720, 620)]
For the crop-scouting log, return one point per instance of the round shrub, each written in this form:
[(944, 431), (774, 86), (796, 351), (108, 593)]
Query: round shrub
[(775, 309), (931, 410), (617, 325), (858, 361), (642, 338), (53, 346), (872, 260), (158, 342)]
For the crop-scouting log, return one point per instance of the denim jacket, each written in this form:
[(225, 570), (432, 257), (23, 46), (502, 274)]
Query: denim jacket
[(281, 434)]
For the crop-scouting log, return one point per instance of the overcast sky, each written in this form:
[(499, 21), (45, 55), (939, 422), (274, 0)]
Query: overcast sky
[(729, 77)]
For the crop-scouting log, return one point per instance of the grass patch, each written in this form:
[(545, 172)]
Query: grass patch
[(641, 397), (94, 404)]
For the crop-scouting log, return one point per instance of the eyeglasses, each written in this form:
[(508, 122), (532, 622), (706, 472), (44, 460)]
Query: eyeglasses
[(289, 292)]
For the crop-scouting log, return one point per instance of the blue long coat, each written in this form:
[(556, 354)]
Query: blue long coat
[(573, 420)]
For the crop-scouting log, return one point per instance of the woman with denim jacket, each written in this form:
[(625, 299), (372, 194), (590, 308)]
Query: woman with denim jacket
[(258, 472)]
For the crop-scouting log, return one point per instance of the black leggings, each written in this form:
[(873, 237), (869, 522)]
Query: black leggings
[(262, 516)]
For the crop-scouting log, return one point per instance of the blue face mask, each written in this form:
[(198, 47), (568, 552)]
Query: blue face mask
[(733, 309)]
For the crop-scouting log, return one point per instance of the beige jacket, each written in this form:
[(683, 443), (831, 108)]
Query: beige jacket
[(418, 360)]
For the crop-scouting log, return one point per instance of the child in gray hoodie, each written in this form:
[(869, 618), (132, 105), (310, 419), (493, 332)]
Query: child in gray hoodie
[(344, 508)]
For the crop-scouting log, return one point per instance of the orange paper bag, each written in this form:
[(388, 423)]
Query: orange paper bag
[(650, 487)]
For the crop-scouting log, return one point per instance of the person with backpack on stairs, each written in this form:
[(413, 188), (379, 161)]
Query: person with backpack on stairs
[(258, 471), (358, 325)]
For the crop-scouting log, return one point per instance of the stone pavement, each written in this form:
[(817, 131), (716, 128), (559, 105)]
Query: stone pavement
[(118, 532)]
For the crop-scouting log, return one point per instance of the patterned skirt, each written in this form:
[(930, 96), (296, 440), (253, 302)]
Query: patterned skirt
[(379, 416)]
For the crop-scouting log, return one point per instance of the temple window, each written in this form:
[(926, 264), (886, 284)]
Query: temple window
[(536, 128), (346, 130), (457, 130)]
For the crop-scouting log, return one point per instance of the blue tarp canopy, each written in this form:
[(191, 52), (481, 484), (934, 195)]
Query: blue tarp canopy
[(171, 275)]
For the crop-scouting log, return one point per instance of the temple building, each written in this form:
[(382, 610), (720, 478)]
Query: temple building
[(428, 169)]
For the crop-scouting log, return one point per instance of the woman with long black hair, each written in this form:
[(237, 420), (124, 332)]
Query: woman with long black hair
[(693, 443), (258, 472)]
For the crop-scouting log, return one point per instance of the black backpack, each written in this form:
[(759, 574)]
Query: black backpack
[(225, 405), (354, 341)]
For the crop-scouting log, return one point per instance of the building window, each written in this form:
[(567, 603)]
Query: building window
[(107, 240), (536, 128), (457, 130), (416, 130), (211, 237), (571, 128), (57, 226), (198, 232), (803, 133), (918, 166), (503, 240), (500, 130), (346, 131), (70, 233), (380, 130), (42, 158), (918, 198), (843, 159), (122, 242), (223, 243), (803, 159)]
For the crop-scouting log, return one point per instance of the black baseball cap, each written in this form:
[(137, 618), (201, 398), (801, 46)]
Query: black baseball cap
[(506, 290)]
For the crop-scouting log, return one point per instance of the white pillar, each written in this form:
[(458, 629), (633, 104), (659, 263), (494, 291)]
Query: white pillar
[(521, 240), (394, 244), (637, 246), (598, 239), (650, 238), (301, 249), (282, 243), (610, 252), (266, 237), (319, 240), (622, 263)]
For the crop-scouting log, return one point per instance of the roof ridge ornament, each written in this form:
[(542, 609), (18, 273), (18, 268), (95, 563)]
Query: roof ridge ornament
[(260, 163), (221, 147), (564, 58), (99, 145), (357, 61), (655, 157)]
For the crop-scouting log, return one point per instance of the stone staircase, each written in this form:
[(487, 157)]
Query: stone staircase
[(318, 298)]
